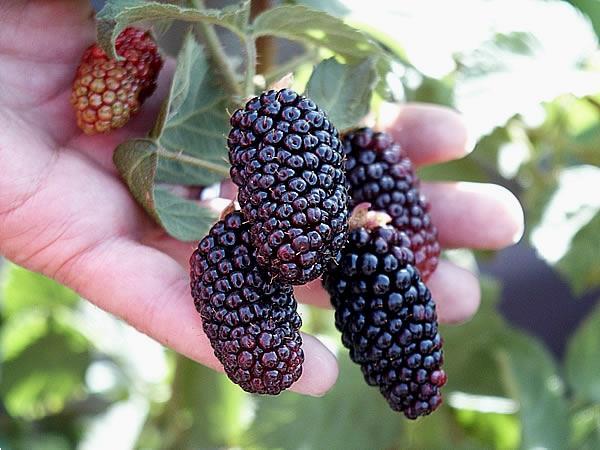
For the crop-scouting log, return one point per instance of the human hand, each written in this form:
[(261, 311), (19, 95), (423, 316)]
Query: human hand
[(65, 212)]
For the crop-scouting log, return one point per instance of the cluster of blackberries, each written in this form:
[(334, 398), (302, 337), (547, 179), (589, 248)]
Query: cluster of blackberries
[(297, 179), (287, 161)]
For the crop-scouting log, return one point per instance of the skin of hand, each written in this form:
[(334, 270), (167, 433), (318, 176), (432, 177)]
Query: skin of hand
[(65, 212)]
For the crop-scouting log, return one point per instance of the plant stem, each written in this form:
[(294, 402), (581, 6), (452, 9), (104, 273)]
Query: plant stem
[(217, 53), (200, 163), (265, 45), (250, 65)]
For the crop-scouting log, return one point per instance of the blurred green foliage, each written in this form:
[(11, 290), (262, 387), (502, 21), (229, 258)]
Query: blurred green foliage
[(505, 389)]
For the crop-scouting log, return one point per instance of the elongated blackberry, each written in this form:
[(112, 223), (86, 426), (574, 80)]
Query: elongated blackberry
[(379, 172), (287, 160), (252, 325), (388, 319)]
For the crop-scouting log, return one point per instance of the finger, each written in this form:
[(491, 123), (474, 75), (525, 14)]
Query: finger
[(428, 133), (475, 215), (456, 292), (151, 292)]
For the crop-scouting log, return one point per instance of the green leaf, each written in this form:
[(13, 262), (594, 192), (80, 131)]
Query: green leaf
[(25, 290), (530, 377), (592, 9), (351, 412), (183, 219), (47, 374), (582, 364), (502, 361), (187, 147), (343, 90), (580, 264), (586, 429), (500, 431), (118, 14), (299, 23), (194, 122)]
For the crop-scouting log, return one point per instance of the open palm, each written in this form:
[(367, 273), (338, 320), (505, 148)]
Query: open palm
[(64, 211)]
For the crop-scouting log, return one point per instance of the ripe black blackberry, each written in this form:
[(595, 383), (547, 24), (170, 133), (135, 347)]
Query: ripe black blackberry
[(287, 161), (379, 172), (387, 319), (252, 325)]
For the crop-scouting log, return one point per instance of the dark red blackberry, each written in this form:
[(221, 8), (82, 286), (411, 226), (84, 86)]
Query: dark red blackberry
[(287, 161), (388, 319), (379, 172), (252, 325)]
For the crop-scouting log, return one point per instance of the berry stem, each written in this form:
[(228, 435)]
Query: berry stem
[(265, 45), (217, 53), (250, 65), (173, 156)]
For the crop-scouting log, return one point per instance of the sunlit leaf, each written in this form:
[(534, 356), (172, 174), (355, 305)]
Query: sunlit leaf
[(493, 430), (25, 290), (299, 23), (45, 375), (205, 410)]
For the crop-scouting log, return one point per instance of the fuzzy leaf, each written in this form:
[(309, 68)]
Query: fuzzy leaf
[(194, 122), (186, 147), (299, 23), (137, 161), (581, 362), (118, 14), (580, 264), (343, 90)]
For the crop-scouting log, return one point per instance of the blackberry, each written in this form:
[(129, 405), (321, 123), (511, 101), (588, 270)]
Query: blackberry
[(379, 172), (252, 324), (387, 319), (287, 161)]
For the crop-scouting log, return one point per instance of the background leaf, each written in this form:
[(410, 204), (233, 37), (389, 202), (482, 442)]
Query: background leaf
[(46, 374), (343, 90), (179, 426), (580, 264), (24, 290), (582, 364)]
